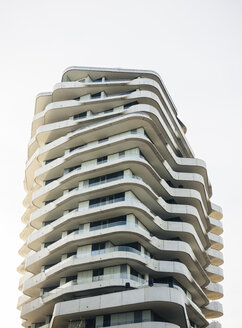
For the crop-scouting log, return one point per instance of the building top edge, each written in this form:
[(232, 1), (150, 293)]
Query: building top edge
[(108, 69), (119, 70)]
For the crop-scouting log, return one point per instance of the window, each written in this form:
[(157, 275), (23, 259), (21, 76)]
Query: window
[(97, 180), (48, 243), (97, 274), (106, 320), (72, 209), (123, 270), (96, 95), (122, 318), (171, 201), (101, 160), (98, 80), (133, 272), (134, 131), (80, 115), (121, 154), (69, 190), (70, 231), (50, 160), (128, 92), (70, 254), (165, 280), (136, 274), (45, 223), (48, 289), (97, 225), (103, 140), (77, 98), (134, 245), (70, 169), (98, 248), (175, 219), (50, 180), (102, 224), (137, 316), (47, 266), (70, 278), (130, 104), (77, 147), (89, 323), (107, 200), (49, 201), (106, 178), (108, 111)]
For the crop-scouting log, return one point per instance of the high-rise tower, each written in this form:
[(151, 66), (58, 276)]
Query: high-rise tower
[(120, 230)]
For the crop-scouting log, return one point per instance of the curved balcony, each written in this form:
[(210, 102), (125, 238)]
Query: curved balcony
[(26, 232), (160, 249), (77, 73), (56, 168), (214, 291), (216, 257), (178, 163), (142, 191), (89, 213), (214, 273), (22, 280), (24, 250), (213, 310), (22, 300), (216, 212), (216, 226), (180, 195), (216, 241), (138, 165), (147, 97), (161, 298), (155, 268), (158, 227), (108, 283)]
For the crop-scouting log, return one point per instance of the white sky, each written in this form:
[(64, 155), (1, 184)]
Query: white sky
[(196, 48)]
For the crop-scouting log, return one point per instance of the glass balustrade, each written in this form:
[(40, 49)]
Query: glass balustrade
[(102, 227), (118, 249), (125, 249), (104, 277), (111, 138)]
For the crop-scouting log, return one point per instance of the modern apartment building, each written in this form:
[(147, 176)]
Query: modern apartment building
[(120, 230)]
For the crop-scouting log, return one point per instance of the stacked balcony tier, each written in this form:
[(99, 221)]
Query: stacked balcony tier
[(119, 229)]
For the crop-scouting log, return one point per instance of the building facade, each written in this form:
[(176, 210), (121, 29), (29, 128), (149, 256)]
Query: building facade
[(120, 229)]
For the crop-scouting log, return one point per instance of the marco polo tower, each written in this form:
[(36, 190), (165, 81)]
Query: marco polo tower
[(120, 230)]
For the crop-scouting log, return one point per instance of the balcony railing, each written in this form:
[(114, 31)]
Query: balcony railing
[(118, 249), (131, 201), (104, 277), (126, 249), (102, 227), (111, 138)]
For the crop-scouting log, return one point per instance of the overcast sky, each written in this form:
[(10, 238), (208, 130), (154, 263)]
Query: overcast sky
[(196, 48)]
